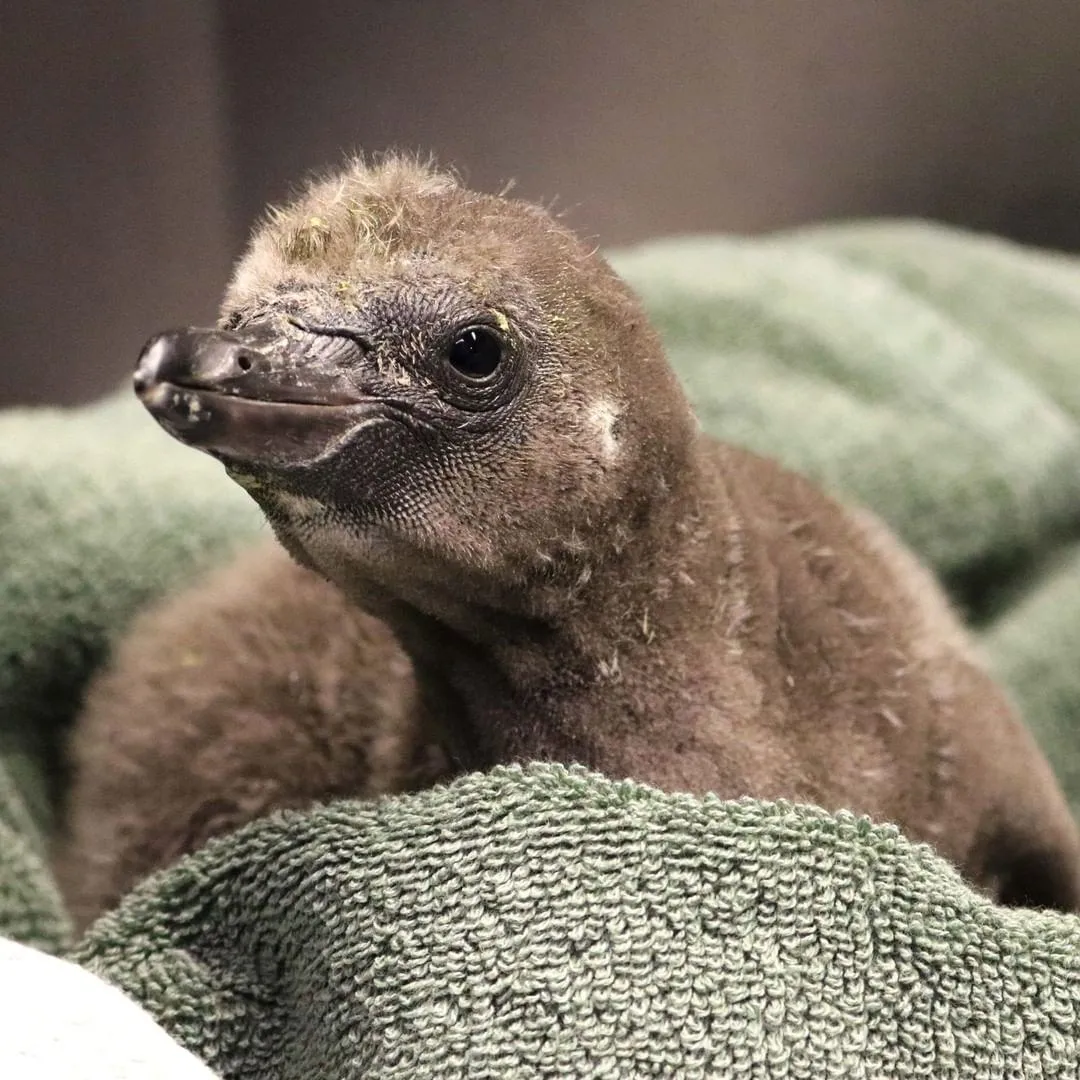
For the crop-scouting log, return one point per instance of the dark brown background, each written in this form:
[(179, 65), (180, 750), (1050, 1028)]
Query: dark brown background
[(141, 136)]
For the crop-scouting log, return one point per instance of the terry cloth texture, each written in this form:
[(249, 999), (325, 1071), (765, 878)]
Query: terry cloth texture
[(546, 922)]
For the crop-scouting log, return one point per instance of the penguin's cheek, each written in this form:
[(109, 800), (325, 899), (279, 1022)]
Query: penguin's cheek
[(390, 468)]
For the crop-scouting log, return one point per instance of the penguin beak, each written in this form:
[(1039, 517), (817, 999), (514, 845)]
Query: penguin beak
[(274, 395)]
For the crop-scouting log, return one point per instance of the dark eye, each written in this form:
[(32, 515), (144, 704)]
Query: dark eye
[(476, 352)]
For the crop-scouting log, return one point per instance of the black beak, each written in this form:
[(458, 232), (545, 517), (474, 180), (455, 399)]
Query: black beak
[(275, 394)]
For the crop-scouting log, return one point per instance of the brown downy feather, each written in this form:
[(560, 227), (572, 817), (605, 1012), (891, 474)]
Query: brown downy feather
[(258, 689)]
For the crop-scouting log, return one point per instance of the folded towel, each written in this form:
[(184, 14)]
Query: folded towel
[(544, 922), (549, 923)]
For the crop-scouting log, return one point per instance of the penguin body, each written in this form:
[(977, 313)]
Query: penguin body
[(455, 412)]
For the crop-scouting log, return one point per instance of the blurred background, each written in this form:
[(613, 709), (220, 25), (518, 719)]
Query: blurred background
[(142, 136)]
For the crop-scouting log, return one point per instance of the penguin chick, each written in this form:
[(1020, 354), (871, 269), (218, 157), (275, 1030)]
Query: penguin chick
[(257, 689), (452, 409)]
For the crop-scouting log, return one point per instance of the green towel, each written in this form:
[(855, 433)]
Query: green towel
[(549, 923)]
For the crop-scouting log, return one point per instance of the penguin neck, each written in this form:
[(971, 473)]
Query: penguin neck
[(515, 680)]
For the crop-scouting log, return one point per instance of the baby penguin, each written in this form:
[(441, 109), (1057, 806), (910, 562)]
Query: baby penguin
[(454, 411)]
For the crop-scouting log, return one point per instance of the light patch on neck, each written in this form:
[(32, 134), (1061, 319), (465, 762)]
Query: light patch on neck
[(329, 541), (603, 416)]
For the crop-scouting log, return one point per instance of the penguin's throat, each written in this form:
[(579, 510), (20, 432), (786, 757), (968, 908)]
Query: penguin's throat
[(507, 683)]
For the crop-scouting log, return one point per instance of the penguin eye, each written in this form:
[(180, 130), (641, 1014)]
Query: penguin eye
[(476, 352)]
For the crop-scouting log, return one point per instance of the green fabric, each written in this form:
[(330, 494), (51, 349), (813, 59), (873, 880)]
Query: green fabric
[(548, 923), (551, 924)]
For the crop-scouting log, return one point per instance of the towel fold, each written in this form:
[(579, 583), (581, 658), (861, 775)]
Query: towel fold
[(549, 923)]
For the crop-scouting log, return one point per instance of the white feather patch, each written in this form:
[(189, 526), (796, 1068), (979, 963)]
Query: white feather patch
[(602, 415)]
